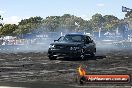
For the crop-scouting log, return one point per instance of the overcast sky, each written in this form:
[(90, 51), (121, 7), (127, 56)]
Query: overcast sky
[(14, 10)]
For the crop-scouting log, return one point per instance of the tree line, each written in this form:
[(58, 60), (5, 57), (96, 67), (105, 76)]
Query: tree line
[(67, 22)]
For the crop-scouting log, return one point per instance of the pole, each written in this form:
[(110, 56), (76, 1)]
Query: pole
[(99, 32)]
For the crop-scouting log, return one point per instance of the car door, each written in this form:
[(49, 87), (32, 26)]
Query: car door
[(89, 44)]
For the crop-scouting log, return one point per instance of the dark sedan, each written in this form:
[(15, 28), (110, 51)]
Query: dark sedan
[(72, 45)]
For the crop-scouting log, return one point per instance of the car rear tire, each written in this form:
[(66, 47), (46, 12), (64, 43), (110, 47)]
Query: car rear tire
[(52, 58)]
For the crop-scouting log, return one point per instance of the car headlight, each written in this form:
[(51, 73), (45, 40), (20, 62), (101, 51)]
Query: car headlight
[(74, 48), (52, 46)]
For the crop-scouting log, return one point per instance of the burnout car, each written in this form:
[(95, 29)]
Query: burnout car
[(73, 46)]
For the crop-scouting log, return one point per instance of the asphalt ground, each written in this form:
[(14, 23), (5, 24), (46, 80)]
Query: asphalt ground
[(35, 70)]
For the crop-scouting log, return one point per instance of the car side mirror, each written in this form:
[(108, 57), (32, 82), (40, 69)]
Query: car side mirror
[(87, 42), (91, 41)]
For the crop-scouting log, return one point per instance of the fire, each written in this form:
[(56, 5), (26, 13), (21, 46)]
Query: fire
[(81, 71)]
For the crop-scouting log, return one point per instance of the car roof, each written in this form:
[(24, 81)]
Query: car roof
[(75, 34)]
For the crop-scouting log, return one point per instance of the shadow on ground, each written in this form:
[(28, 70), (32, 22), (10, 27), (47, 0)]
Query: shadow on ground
[(79, 59)]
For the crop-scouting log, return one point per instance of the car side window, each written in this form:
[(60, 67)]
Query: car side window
[(61, 39), (88, 39)]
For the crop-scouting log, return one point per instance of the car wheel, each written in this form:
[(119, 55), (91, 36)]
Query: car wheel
[(82, 57), (52, 58), (82, 54)]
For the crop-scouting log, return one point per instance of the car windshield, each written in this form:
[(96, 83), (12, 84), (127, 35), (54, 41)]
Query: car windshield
[(73, 38)]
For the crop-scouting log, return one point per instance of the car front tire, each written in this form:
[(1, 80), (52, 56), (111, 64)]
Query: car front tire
[(52, 58), (92, 54), (83, 55)]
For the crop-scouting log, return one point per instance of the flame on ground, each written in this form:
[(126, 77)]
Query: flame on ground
[(81, 71)]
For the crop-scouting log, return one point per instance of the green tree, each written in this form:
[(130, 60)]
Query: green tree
[(8, 29), (51, 23), (110, 22), (34, 20), (28, 25), (97, 21), (72, 23), (128, 14), (62, 23), (67, 22)]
